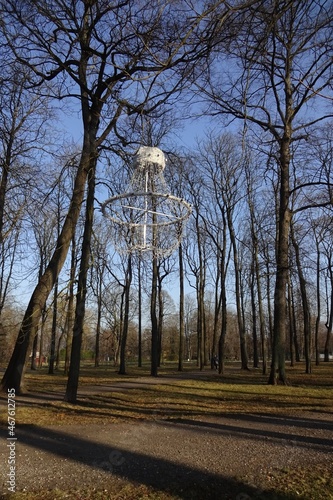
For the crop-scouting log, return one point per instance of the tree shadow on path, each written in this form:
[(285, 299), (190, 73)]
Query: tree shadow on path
[(184, 482), (322, 444)]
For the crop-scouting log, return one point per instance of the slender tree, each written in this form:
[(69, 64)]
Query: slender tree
[(278, 64)]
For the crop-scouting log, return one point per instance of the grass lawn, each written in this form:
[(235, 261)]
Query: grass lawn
[(192, 396)]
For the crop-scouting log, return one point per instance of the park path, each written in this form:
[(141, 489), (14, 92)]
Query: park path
[(231, 456)]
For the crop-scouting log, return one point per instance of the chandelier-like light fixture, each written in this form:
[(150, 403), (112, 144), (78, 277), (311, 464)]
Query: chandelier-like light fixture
[(147, 217)]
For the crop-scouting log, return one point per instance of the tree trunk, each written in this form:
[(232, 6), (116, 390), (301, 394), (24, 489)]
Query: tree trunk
[(54, 329), (14, 374), (254, 319), (292, 332), (57, 357), (139, 314), (128, 281), (74, 368), (34, 353), (278, 367), (70, 307), (217, 311), (41, 338), (98, 327), (154, 322), (329, 323), (241, 326), (200, 323), (269, 299), (224, 318), (256, 272), (181, 309), (160, 317), (305, 304), (318, 305)]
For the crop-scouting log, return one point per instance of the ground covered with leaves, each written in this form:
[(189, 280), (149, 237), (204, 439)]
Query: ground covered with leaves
[(192, 435)]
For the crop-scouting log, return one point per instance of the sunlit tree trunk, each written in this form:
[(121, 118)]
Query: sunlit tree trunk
[(74, 368)]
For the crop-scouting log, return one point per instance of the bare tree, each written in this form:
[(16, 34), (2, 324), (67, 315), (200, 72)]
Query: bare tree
[(23, 120), (224, 163), (278, 65), (73, 57), (304, 299)]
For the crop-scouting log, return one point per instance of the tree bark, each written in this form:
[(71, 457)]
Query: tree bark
[(254, 318), (70, 306), (318, 304), (160, 316), (154, 321), (74, 368), (128, 281), (139, 314), (54, 329), (278, 368), (329, 323), (98, 328), (305, 303), (181, 309), (241, 326), (292, 330)]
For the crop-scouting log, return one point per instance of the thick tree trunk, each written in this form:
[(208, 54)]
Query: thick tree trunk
[(14, 374), (74, 368), (278, 368)]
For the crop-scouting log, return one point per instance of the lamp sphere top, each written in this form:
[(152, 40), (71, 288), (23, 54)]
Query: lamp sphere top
[(147, 156)]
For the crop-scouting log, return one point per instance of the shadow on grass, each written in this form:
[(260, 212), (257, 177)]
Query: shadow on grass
[(160, 474)]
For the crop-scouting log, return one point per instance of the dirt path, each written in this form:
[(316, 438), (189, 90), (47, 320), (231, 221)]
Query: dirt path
[(230, 457)]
